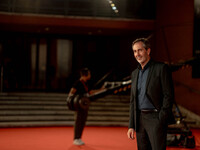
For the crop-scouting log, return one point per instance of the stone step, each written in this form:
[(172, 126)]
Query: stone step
[(33, 107), (62, 107), (52, 100), (32, 98), (28, 102), (34, 112), (60, 118), (61, 112), (42, 109), (48, 95), (50, 109), (59, 123)]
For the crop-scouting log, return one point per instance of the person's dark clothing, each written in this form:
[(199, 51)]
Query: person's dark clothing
[(152, 132), (143, 101), (150, 123), (81, 87), (80, 120), (81, 114)]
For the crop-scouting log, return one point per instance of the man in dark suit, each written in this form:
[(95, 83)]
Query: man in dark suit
[(152, 97)]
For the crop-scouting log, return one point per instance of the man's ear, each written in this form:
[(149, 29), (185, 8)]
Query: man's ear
[(148, 51)]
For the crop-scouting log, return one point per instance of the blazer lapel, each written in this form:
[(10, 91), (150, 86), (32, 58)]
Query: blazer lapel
[(135, 77), (149, 74)]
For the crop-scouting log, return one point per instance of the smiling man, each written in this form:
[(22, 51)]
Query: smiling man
[(151, 101)]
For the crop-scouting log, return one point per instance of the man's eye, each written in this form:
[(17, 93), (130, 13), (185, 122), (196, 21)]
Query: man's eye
[(140, 50)]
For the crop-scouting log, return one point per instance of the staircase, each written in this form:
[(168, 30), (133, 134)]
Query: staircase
[(50, 109)]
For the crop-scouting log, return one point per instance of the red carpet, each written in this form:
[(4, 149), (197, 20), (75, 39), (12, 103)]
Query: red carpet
[(60, 138)]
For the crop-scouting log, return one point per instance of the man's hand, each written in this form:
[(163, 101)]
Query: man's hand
[(131, 134)]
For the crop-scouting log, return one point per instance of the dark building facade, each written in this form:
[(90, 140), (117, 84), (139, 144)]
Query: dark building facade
[(45, 43)]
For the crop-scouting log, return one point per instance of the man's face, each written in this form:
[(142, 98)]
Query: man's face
[(141, 54)]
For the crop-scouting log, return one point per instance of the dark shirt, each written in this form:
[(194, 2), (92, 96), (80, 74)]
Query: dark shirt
[(143, 101), (81, 87)]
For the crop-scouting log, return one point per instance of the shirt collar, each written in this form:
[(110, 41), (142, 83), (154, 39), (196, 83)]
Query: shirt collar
[(146, 66)]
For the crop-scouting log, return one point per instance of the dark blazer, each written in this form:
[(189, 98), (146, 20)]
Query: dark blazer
[(159, 90)]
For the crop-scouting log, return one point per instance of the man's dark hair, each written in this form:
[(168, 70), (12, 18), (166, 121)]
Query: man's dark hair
[(145, 42), (84, 72)]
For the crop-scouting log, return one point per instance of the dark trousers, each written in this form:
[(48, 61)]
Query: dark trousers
[(80, 120), (152, 132)]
